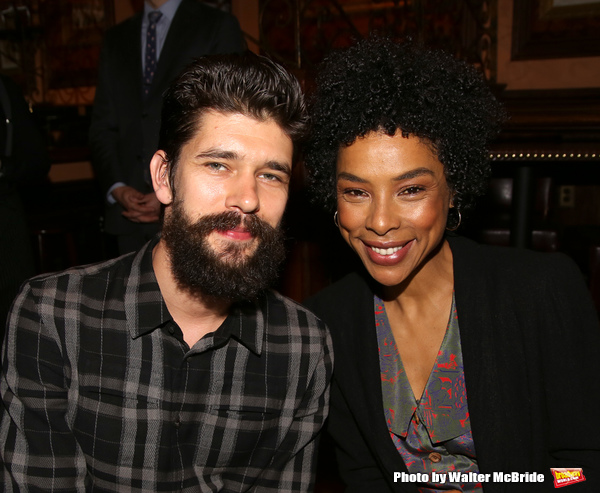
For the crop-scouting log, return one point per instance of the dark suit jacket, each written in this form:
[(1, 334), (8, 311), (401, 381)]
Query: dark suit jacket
[(530, 342), (21, 170), (125, 126)]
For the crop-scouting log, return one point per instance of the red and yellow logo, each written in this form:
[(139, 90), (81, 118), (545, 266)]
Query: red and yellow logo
[(564, 476)]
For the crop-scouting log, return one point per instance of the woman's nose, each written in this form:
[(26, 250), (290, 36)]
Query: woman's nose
[(382, 217)]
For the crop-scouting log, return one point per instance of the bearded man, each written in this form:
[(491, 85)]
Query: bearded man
[(177, 368)]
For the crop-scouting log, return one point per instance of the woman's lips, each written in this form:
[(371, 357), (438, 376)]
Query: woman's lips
[(387, 255)]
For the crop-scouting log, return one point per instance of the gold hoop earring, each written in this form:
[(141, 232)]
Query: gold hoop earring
[(459, 221), (335, 219)]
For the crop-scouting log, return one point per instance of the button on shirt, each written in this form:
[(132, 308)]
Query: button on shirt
[(101, 392), (433, 434)]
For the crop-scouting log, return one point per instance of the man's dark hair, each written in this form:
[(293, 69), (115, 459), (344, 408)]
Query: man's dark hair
[(379, 85), (247, 84)]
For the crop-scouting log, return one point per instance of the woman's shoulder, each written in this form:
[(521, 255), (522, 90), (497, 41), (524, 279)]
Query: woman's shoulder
[(509, 261), (342, 294)]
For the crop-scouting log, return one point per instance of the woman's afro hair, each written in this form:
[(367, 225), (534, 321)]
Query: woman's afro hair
[(380, 85)]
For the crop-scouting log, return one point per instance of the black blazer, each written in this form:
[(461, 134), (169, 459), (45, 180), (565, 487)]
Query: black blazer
[(24, 163), (125, 126), (530, 341)]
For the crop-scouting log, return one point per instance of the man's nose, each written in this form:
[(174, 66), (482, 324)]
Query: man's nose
[(243, 194)]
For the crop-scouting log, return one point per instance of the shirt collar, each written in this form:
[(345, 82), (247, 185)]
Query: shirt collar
[(245, 323), (168, 9), (145, 308)]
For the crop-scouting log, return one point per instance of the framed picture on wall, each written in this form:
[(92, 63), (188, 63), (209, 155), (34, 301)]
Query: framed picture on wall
[(18, 34), (555, 29), (73, 38)]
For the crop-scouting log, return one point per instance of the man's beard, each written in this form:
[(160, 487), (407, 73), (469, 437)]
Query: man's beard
[(226, 273)]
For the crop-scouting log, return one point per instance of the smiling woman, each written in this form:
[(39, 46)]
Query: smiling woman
[(445, 350), (393, 201)]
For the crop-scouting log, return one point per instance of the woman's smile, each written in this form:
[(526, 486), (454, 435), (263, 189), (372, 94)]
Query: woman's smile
[(393, 202), (386, 254)]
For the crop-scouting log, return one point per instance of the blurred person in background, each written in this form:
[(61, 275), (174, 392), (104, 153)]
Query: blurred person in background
[(23, 162), (139, 59)]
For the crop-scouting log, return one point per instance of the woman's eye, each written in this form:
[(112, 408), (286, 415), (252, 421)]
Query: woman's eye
[(414, 190), (354, 194)]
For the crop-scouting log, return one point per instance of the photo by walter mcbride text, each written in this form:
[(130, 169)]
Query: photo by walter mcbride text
[(470, 477)]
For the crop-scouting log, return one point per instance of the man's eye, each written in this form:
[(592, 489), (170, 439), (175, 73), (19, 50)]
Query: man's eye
[(216, 166), (271, 177)]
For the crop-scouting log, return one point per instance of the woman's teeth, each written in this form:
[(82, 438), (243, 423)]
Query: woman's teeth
[(386, 251)]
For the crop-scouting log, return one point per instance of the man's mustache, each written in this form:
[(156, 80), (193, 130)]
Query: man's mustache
[(228, 220)]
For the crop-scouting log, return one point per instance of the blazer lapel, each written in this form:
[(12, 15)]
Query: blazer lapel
[(361, 344), (132, 58), (483, 366)]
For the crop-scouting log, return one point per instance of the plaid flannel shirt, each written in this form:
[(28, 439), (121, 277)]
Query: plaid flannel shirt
[(101, 393)]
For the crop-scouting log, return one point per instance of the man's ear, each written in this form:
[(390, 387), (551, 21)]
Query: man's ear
[(159, 171)]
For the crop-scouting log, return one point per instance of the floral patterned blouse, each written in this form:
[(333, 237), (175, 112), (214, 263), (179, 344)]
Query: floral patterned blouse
[(432, 434)]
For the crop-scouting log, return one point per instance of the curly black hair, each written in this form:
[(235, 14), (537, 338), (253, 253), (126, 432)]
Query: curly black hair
[(380, 85)]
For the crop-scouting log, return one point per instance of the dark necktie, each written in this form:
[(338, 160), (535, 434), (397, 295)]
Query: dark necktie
[(151, 59)]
